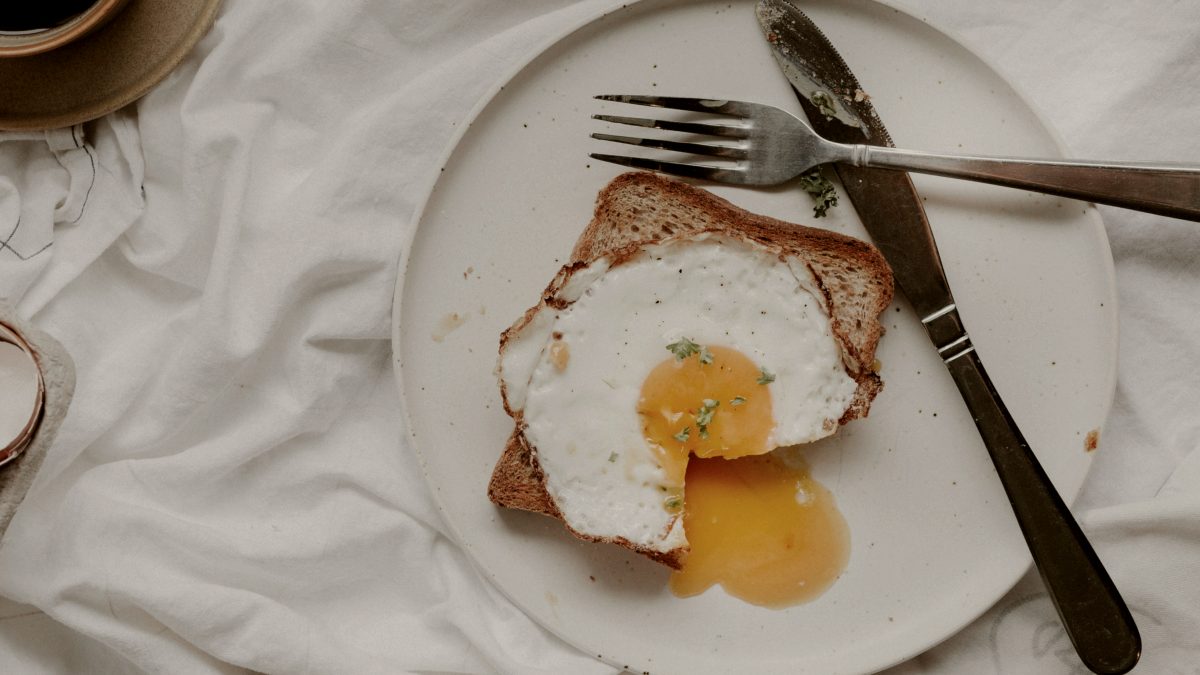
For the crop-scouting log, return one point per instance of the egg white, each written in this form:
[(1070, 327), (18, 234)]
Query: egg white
[(582, 419)]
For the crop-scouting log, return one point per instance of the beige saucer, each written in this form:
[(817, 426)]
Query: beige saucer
[(113, 66)]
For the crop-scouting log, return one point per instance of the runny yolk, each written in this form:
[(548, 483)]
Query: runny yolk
[(763, 529), (676, 396), (767, 532)]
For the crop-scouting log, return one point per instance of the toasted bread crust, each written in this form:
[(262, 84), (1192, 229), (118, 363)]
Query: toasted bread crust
[(640, 208), (517, 481)]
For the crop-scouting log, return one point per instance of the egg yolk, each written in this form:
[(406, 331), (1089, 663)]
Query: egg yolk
[(709, 404), (760, 527)]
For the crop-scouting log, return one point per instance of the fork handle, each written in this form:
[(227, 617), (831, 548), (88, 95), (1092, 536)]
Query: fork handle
[(1164, 189), (1092, 611)]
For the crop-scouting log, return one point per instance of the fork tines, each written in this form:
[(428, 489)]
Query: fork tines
[(733, 109), (705, 105), (723, 130)]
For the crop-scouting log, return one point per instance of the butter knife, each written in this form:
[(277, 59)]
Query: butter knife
[(1092, 611)]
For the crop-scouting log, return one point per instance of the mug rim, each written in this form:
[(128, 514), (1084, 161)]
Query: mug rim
[(38, 42)]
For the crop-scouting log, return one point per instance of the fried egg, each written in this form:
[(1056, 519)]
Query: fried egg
[(682, 351)]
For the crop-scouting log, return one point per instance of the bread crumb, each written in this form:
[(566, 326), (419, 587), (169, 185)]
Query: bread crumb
[(1092, 441), (448, 325), (559, 354)]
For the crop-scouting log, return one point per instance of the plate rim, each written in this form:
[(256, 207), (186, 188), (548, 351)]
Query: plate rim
[(408, 438)]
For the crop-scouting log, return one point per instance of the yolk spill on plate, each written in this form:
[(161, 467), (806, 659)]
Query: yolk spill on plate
[(757, 525), (764, 530)]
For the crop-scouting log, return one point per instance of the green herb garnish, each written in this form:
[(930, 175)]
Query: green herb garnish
[(765, 376), (673, 502), (824, 104), (683, 349), (737, 400), (612, 458), (706, 356), (704, 416), (823, 193), (683, 435)]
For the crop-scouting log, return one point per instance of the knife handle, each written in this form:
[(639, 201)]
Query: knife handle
[(1092, 611), (1163, 189)]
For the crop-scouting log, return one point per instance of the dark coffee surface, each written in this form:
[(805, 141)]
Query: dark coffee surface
[(25, 15)]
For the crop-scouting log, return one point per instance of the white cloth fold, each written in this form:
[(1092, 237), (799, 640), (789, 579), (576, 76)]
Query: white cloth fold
[(230, 491)]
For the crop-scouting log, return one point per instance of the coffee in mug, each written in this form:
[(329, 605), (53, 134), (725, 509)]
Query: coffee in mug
[(29, 27), (25, 16)]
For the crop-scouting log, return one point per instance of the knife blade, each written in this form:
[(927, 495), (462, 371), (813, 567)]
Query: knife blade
[(1092, 611)]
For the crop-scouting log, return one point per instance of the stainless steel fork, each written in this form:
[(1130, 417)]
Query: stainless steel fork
[(768, 146)]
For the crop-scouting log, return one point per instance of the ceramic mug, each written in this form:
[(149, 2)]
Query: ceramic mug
[(30, 27), (22, 393)]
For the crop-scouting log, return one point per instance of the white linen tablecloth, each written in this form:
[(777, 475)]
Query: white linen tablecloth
[(230, 490)]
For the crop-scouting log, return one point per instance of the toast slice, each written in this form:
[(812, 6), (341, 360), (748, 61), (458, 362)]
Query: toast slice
[(640, 208)]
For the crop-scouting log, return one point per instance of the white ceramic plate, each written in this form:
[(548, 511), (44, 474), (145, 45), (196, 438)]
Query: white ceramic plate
[(933, 541)]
